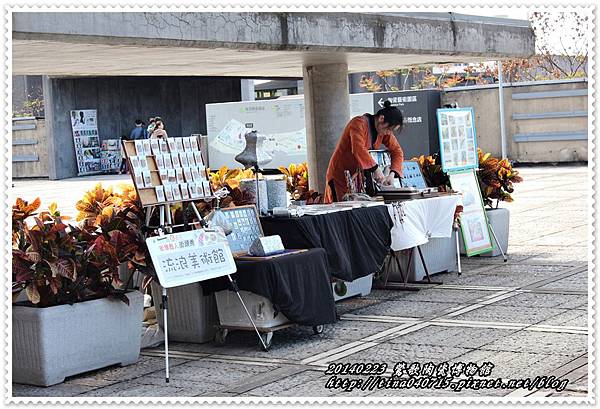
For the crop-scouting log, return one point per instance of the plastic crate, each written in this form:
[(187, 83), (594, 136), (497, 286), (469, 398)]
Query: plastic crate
[(346, 289), (192, 315)]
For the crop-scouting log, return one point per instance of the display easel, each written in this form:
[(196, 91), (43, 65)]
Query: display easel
[(151, 203), (166, 226), (458, 153)]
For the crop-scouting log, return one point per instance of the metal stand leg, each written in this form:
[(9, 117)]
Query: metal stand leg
[(458, 253), (165, 307), (424, 265), (237, 291), (498, 244)]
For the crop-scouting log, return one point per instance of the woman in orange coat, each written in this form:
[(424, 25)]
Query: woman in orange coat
[(364, 133)]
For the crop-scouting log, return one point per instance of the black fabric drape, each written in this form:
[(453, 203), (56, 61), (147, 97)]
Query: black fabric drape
[(356, 241), (298, 285)]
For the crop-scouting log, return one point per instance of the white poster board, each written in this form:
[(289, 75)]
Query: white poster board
[(473, 220), (458, 140), (190, 257), (86, 140)]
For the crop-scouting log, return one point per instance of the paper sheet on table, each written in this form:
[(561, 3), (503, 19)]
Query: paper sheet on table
[(423, 218)]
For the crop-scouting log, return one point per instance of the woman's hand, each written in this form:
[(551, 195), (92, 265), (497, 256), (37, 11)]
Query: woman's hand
[(389, 180), (379, 177)]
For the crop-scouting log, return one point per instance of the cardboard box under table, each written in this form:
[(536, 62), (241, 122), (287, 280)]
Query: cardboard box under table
[(278, 291)]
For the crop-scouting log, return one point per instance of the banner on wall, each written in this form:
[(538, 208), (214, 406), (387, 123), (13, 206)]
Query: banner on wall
[(87, 142)]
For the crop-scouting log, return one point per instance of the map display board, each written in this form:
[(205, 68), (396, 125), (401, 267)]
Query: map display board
[(458, 141), (86, 140), (281, 121)]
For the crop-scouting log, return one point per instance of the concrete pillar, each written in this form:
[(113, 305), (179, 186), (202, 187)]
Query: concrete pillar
[(327, 111), (62, 162), (247, 87)]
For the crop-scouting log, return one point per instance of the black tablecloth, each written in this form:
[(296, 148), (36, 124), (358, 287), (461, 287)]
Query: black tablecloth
[(356, 241), (297, 284)]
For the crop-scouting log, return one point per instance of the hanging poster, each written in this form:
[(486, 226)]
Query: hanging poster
[(458, 140), (86, 140), (191, 256), (473, 220)]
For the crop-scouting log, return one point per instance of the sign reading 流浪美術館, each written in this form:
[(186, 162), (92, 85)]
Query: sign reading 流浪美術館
[(190, 257)]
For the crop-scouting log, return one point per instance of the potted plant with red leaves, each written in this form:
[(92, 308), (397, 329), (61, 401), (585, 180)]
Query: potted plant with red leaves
[(73, 303)]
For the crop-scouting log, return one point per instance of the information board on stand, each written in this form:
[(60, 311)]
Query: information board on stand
[(84, 125)]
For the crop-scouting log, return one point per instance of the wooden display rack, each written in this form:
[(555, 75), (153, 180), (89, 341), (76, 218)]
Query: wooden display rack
[(147, 194)]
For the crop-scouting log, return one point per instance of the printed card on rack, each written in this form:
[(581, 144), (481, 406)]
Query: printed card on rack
[(198, 157), (169, 193), (139, 148), (155, 147), (147, 178), (135, 162), (176, 192), (160, 193), (172, 176), (194, 143), (206, 188), (172, 145), (179, 144), (193, 190), (179, 173), (187, 146), (175, 160), (160, 162), (187, 174), (147, 149), (139, 178), (143, 162), (164, 176), (167, 161), (190, 158), (202, 172), (184, 191), (183, 159), (164, 146), (195, 174)]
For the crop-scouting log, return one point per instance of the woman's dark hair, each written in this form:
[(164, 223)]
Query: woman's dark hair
[(391, 115)]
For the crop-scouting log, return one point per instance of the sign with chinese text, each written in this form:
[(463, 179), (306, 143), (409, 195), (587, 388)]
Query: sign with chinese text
[(190, 257)]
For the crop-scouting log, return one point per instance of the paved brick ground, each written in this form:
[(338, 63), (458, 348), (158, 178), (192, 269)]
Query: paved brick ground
[(529, 316)]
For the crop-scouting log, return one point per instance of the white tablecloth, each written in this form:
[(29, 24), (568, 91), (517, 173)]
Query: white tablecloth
[(415, 221)]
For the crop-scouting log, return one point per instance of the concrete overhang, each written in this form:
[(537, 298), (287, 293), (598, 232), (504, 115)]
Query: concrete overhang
[(254, 44)]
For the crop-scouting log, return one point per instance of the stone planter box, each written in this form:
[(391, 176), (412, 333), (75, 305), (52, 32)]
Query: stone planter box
[(500, 222), (49, 344), (192, 316)]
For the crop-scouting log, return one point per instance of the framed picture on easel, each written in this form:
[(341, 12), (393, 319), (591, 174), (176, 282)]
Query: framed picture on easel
[(474, 225)]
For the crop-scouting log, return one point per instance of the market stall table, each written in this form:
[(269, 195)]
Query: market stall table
[(416, 222), (356, 240), (297, 285)]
